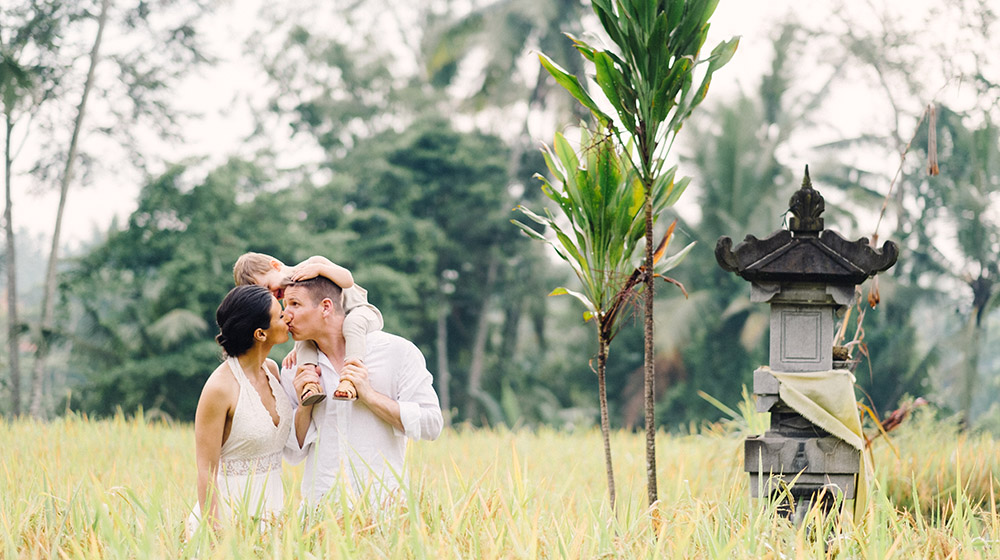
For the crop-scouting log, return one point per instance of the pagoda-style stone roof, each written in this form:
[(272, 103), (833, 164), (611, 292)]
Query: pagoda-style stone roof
[(805, 252)]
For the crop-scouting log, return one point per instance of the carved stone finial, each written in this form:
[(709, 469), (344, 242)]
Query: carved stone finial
[(806, 206)]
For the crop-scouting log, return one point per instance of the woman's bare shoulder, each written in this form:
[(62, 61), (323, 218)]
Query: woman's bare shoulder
[(221, 383), (273, 369)]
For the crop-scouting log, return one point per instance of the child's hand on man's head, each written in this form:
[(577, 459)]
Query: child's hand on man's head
[(305, 271)]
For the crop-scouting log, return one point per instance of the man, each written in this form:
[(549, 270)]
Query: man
[(361, 443)]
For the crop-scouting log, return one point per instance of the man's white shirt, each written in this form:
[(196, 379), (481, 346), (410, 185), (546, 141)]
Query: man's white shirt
[(346, 442)]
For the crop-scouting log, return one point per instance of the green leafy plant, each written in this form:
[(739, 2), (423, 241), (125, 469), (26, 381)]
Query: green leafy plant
[(600, 195), (650, 82)]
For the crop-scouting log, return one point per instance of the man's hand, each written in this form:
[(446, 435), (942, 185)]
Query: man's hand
[(356, 372), (306, 374), (382, 405)]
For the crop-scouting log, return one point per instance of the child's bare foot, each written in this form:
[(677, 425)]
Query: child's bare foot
[(312, 394), (345, 391)]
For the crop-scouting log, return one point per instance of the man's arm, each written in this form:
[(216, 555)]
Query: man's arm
[(414, 411), (420, 409), (384, 407)]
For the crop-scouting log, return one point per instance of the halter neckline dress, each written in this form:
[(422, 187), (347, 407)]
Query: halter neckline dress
[(249, 476)]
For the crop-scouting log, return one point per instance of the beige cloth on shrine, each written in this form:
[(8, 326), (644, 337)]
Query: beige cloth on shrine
[(826, 398)]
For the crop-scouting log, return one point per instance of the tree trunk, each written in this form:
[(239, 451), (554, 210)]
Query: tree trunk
[(13, 325), (982, 292), (649, 376), (971, 369), (48, 296), (443, 374), (479, 345), (602, 361)]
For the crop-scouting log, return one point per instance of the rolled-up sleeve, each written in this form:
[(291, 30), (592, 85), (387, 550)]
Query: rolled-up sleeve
[(419, 408)]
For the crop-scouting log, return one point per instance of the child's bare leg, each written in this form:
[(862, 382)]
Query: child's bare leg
[(356, 326)]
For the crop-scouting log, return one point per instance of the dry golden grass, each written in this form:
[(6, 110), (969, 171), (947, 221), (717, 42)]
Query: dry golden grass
[(122, 488)]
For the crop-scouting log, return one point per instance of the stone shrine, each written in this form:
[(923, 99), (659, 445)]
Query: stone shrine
[(808, 276)]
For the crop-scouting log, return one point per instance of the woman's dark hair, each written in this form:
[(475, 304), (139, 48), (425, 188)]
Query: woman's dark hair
[(244, 310)]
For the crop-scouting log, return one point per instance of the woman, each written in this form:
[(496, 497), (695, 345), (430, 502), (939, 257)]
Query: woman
[(243, 417)]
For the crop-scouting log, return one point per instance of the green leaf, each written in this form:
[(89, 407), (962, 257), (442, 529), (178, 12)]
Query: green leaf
[(572, 85), (609, 21), (723, 53), (582, 298), (674, 13), (676, 190), (688, 37), (585, 49), (610, 80), (529, 231), (668, 263), (709, 9), (631, 12), (566, 154), (659, 58), (567, 244), (557, 170), (666, 93), (638, 197), (633, 43)]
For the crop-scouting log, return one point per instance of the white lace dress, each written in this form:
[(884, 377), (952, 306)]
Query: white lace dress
[(249, 477)]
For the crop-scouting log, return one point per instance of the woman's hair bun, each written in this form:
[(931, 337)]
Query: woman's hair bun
[(244, 310)]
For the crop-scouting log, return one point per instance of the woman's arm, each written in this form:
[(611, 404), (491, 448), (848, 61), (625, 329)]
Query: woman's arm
[(209, 427)]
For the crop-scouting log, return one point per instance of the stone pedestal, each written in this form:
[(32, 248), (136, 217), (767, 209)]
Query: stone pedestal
[(796, 453)]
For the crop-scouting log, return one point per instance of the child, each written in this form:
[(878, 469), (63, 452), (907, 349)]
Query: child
[(360, 318)]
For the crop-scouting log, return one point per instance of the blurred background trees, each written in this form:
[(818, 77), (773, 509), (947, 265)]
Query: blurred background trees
[(400, 149)]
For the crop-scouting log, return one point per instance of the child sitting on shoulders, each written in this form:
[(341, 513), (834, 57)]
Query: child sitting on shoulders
[(360, 318)]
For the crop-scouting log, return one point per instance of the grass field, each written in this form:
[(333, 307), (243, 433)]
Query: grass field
[(122, 488)]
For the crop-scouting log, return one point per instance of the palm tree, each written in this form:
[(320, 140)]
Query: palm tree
[(28, 77), (46, 325), (960, 199), (486, 47), (954, 204), (496, 36)]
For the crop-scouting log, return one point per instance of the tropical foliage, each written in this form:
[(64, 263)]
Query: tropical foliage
[(602, 198), (400, 149), (650, 83)]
